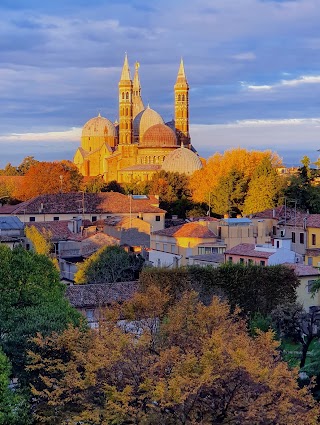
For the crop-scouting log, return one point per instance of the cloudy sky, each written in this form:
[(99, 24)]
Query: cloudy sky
[(253, 68)]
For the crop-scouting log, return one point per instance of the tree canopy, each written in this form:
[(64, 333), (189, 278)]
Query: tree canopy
[(107, 265), (31, 300), (184, 363)]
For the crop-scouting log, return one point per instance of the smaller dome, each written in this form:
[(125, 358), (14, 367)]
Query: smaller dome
[(144, 120), (99, 126), (182, 160), (159, 135)]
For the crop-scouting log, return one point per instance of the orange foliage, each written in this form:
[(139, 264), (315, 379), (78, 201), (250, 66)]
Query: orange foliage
[(180, 364), (204, 181), (49, 177)]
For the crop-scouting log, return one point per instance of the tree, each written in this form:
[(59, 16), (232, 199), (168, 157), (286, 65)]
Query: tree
[(107, 265), (264, 188), (31, 300), (13, 406), (197, 365), (49, 177), (26, 164), (41, 241)]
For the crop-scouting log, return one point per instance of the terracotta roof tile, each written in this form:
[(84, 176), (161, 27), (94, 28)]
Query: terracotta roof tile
[(187, 230), (248, 250), (95, 203), (303, 269), (58, 229), (95, 295)]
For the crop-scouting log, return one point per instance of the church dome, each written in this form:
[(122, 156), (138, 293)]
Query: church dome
[(144, 120), (182, 160), (99, 126), (157, 136)]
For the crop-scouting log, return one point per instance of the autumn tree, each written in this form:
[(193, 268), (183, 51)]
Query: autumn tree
[(107, 265), (242, 161), (49, 177), (41, 241), (196, 365), (265, 188), (31, 300)]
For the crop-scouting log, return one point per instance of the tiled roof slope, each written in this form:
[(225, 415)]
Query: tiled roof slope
[(277, 213), (187, 230), (248, 249), (95, 295), (95, 203), (58, 229), (303, 269)]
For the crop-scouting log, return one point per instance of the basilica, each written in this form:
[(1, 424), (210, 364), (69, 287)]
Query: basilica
[(140, 143)]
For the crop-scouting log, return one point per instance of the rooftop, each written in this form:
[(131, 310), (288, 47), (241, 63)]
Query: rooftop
[(248, 250), (10, 223), (187, 230), (303, 269), (76, 202)]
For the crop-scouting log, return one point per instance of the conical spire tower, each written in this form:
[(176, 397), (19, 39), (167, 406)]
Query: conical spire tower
[(138, 105), (181, 105), (125, 105)]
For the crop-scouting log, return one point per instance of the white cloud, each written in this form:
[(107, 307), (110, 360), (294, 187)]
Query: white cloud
[(245, 56), (303, 79), (71, 135)]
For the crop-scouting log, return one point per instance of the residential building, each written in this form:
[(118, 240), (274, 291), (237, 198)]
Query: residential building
[(88, 206), (264, 255), (173, 246), (11, 231)]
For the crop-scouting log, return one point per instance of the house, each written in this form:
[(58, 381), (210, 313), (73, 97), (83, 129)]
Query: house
[(264, 255), (213, 260), (307, 276), (91, 299), (88, 206), (11, 231), (174, 245)]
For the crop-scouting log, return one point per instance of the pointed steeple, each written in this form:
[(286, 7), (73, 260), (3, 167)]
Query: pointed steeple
[(181, 77), (137, 100), (125, 74)]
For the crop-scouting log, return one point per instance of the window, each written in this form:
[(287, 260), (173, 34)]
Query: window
[(32, 219), (230, 259), (241, 261), (250, 262), (157, 246), (173, 249), (90, 315), (55, 218), (94, 218), (157, 217), (301, 237), (293, 237), (165, 247), (310, 285), (314, 239), (278, 244), (309, 261), (274, 230), (262, 263)]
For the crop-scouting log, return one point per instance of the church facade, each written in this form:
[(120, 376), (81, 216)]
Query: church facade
[(140, 143)]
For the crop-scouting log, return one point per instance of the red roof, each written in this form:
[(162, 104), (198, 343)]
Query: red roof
[(187, 230), (248, 250), (58, 229), (95, 203), (303, 269)]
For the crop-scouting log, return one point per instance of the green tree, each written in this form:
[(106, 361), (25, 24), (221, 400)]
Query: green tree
[(31, 300), (107, 265), (229, 195), (13, 406), (264, 189)]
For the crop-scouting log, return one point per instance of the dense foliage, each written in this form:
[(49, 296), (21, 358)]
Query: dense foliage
[(256, 289), (109, 264), (31, 300), (182, 363)]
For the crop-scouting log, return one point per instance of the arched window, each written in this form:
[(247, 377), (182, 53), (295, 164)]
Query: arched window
[(127, 95), (123, 95), (179, 97), (127, 111), (182, 98)]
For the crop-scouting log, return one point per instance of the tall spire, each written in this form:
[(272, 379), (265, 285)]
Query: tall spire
[(125, 75), (137, 100), (181, 77)]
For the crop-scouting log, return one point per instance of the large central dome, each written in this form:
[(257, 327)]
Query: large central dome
[(182, 160), (144, 120), (159, 135), (97, 131)]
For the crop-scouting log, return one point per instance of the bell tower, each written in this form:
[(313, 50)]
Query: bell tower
[(181, 105), (136, 98), (125, 105)]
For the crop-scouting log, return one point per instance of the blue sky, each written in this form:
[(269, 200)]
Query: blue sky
[(253, 68)]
